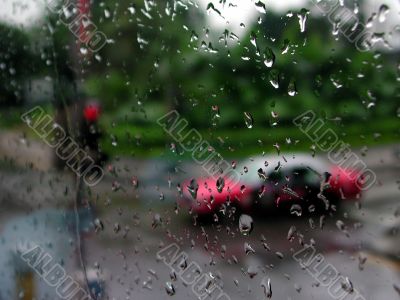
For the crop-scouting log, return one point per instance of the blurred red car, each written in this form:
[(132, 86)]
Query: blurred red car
[(267, 182)]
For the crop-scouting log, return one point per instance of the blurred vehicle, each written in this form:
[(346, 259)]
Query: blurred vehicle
[(295, 182)]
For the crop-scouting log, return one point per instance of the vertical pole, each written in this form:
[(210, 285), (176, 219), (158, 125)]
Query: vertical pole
[(84, 12)]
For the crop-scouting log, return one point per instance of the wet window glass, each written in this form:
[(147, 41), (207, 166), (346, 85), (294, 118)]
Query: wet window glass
[(199, 149)]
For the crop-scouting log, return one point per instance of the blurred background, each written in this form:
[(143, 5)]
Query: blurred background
[(239, 72)]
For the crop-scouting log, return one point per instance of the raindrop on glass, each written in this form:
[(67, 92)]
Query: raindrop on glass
[(303, 18), (261, 7), (193, 187), (383, 11), (245, 224), (266, 285), (269, 57), (248, 120), (169, 288)]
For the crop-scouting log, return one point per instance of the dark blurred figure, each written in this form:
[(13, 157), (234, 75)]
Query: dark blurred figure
[(81, 123), (91, 132)]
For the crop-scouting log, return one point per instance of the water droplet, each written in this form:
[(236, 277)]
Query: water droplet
[(274, 78), (210, 7), (194, 37), (153, 273), (261, 174), (98, 57), (266, 285), (223, 251), (215, 110), (322, 222), (98, 225), (215, 115), (248, 120), (347, 285), (340, 225), (289, 191), (383, 11), (117, 227), (173, 276), (248, 249), (215, 218), (297, 287), (266, 247), (370, 20), (115, 186), (296, 210), (114, 140), (252, 271), (132, 10), (362, 259), (220, 184), (261, 7), (183, 264), (261, 191), (157, 221), (135, 182), (253, 39), (83, 50), (242, 188), (169, 288), (291, 233), (303, 18), (245, 224), (292, 91), (269, 57), (193, 187), (336, 27), (356, 8), (107, 13), (285, 46)]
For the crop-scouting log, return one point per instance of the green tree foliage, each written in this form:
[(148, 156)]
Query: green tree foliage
[(15, 64), (162, 58)]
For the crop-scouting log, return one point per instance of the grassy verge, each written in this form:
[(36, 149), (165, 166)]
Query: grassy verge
[(10, 118), (146, 141), (151, 141)]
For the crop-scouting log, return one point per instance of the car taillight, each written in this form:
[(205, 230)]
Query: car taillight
[(346, 182)]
